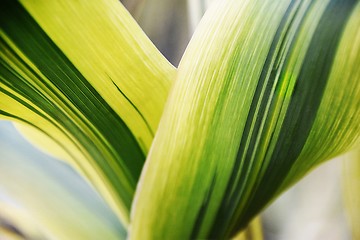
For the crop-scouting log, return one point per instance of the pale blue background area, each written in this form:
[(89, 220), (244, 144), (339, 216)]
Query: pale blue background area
[(28, 175)]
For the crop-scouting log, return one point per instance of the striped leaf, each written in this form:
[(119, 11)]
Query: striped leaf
[(85, 76), (266, 90), (42, 196)]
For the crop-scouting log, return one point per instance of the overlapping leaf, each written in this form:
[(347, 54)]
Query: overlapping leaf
[(84, 75), (42, 198), (265, 91), (257, 103)]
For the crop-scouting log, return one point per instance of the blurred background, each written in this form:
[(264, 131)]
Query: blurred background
[(311, 210)]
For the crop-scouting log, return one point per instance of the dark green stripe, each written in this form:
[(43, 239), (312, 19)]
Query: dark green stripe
[(10, 78), (299, 118), (304, 104), (53, 64), (135, 107), (80, 136), (203, 209), (14, 117), (230, 202), (36, 112)]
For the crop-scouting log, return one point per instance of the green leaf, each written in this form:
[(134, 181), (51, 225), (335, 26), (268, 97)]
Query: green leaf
[(351, 183), (42, 196), (252, 232), (265, 91), (85, 75)]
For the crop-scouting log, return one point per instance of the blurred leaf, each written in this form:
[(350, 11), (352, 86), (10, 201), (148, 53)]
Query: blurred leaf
[(85, 75), (266, 90), (351, 176), (252, 232), (197, 8), (16, 223), (165, 22), (51, 194)]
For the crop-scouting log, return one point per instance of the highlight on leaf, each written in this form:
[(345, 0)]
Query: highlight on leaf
[(252, 232), (86, 90), (256, 105), (351, 182), (266, 91)]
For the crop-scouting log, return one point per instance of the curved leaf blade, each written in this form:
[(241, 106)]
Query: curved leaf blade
[(248, 115), (48, 196), (98, 92)]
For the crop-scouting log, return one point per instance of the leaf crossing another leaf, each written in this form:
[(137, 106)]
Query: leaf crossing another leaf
[(265, 91), (85, 75)]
